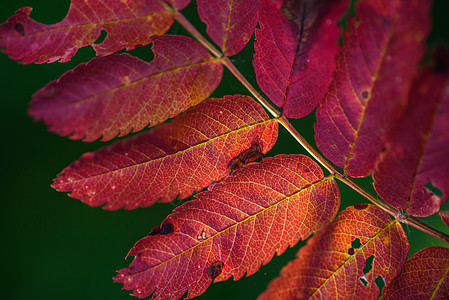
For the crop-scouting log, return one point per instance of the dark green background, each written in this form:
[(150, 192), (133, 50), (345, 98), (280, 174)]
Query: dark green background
[(55, 247)]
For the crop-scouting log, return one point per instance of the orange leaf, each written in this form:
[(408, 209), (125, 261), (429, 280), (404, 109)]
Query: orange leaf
[(335, 264), (233, 228), (425, 276), (174, 159)]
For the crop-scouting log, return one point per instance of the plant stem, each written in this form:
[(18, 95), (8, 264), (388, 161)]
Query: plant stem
[(317, 156)]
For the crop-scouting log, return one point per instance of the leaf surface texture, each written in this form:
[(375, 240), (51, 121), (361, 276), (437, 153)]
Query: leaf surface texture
[(174, 159), (295, 51), (230, 23), (425, 276), (128, 24), (374, 67), (120, 93), (233, 228), (333, 266), (417, 153)]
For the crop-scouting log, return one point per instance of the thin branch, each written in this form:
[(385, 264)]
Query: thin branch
[(317, 156)]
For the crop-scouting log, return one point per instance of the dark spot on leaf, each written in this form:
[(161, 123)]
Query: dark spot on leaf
[(249, 155), (384, 149), (380, 282), (365, 94), (20, 29), (364, 281), (360, 206), (215, 269), (356, 243), (302, 67), (433, 189), (368, 264), (351, 251), (164, 229)]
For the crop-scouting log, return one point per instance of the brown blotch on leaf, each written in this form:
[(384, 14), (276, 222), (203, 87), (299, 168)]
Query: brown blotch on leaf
[(20, 29), (365, 94), (202, 236), (215, 269), (360, 206), (351, 251), (164, 229), (249, 155)]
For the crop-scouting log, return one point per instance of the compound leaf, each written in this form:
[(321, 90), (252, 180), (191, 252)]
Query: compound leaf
[(120, 93), (342, 262), (418, 148), (128, 24), (230, 23), (295, 50), (425, 276), (172, 160), (233, 228), (374, 68)]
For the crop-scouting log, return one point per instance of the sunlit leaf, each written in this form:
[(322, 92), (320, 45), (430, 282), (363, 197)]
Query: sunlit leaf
[(233, 228), (381, 49), (120, 93), (425, 276), (295, 50), (343, 262), (419, 147), (230, 23), (174, 159), (128, 24)]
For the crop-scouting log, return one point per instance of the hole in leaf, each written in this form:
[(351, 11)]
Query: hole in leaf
[(380, 282), (356, 243), (215, 269), (164, 229), (433, 189), (368, 264), (202, 235), (360, 206), (249, 155), (102, 37), (351, 251), (364, 280), (365, 94), (20, 29)]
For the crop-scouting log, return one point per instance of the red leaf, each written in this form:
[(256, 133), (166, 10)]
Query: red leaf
[(174, 159), (419, 146), (445, 217), (233, 228), (425, 276), (119, 93), (295, 51), (381, 49), (128, 24), (230, 23), (334, 266)]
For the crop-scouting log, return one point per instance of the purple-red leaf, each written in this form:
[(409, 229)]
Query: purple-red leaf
[(174, 159), (445, 216), (295, 50), (343, 261), (374, 67), (120, 93), (425, 276), (233, 228), (419, 146), (128, 24), (230, 23)]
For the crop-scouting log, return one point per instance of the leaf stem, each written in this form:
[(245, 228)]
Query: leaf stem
[(317, 156), (402, 217)]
